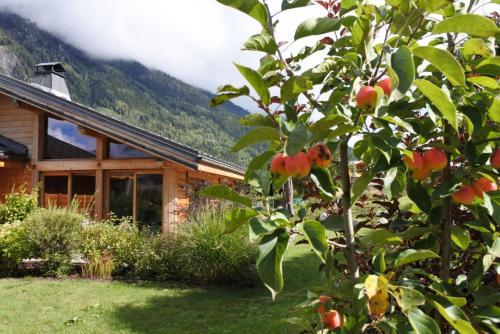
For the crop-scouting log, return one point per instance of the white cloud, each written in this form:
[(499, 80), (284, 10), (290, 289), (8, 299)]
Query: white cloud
[(193, 40)]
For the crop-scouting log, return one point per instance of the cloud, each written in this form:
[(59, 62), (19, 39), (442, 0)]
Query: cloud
[(193, 40)]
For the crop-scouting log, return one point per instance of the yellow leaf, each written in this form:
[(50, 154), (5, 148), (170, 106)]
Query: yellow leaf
[(377, 290)]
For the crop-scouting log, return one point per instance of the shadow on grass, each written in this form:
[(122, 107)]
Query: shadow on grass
[(222, 309)]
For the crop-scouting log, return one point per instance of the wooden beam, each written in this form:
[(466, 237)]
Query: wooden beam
[(99, 194), (169, 187), (88, 165), (212, 170)]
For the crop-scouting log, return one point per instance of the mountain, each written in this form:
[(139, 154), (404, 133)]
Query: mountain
[(127, 90)]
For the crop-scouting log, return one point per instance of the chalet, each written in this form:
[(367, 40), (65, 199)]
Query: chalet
[(76, 153)]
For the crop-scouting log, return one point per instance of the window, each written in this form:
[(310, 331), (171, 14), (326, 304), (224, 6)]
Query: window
[(55, 191), (138, 196), (59, 191), (65, 140), (149, 201), (119, 150)]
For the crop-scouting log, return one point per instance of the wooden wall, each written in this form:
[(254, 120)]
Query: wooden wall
[(18, 124), (14, 175)]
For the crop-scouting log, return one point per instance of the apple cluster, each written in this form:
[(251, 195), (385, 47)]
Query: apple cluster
[(367, 97), (330, 318), (421, 165), (468, 192), (300, 164)]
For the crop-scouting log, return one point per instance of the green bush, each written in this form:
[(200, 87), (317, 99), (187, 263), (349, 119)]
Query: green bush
[(55, 234), (123, 243), (209, 256), (18, 205), (14, 247)]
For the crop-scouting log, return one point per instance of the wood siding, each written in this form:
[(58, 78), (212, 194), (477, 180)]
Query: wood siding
[(12, 176), (17, 123)]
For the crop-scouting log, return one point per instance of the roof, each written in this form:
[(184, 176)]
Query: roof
[(12, 149), (116, 129)]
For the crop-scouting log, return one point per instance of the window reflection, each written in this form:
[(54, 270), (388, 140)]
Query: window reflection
[(149, 201), (121, 189), (65, 140), (120, 150)]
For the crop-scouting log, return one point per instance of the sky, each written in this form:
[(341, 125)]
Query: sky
[(196, 41)]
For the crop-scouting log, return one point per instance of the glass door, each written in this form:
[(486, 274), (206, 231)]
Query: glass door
[(121, 194), (149, 201)]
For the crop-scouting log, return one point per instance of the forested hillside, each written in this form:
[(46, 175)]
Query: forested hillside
[(126, 90)]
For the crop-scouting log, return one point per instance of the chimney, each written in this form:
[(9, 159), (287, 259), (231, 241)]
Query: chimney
[(50, 78)]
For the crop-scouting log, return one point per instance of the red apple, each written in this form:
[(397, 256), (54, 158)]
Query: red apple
[(320, 155), (435, 159), (386, 85), (297, 165), (465, 195), (416, 163), (367, 98), (484, 185), (332, 319), (421, 173), (278, 164), (322, 304), (495, 159)]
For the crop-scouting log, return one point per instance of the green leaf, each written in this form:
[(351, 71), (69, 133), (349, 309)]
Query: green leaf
[(293, 87), (270, 260), (253, 8), (389, 178), (255, 136), (224, 192), (297, 139), (422, 323), (257, 163), (413, 255), (334, 223), (444, 61), (328, 122), (439, 99), (315, 233), (261, 42), (471, 24), (317, 26), (256, 81), (485, 82), (419, 196), (374, 237), (475, 47), (360, 185), (460, 237), (402, 63), (378, 261), (406, 297), (236, 218), (226, 93), (456, 318), (323, 181), (489, 67), (289, 4)]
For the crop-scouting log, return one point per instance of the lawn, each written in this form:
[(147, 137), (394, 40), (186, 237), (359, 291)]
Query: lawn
[(33, 305)]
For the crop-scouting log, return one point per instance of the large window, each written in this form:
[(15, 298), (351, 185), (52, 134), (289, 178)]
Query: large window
[(59, 190), (118, 150), (65, 140), (138, 196)]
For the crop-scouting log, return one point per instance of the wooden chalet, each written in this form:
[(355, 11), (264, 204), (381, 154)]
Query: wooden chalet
[(75, 153)]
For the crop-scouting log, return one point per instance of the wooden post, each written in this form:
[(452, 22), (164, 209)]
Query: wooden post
[(169, 185), (99, 194)]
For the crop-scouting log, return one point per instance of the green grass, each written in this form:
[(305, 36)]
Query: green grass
[(33, 305)]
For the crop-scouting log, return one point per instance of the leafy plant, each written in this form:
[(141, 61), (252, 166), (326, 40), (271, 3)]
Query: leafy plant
[(18, 205), (14, 247), (55, 234), (411, 87)]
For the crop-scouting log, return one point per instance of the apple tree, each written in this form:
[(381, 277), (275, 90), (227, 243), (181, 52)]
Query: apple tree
[(410, 89)]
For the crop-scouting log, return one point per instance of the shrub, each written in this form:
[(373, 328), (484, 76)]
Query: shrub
[(206, 255), (158, 260), (14, 247), (122, 243), (18, 205), (55, 233)]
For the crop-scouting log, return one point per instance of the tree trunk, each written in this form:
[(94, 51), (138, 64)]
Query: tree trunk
[(347, 213)]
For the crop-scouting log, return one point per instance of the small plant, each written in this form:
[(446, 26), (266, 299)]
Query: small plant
[(55, 233), (18, 205), (98, 267), (14, 247)]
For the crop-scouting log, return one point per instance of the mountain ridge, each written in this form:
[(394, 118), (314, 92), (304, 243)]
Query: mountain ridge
[(127, 90)]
